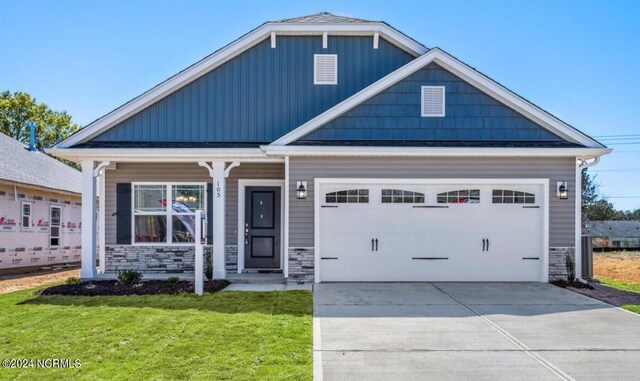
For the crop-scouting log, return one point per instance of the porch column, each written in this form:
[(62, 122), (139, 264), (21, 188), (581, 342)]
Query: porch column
[(88, 264), (219, 197), (217, 173)]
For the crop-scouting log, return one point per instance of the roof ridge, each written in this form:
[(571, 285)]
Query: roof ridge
[(324, 17)]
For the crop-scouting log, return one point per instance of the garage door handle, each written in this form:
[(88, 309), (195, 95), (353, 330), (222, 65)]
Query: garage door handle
[(487, 244), (484, 242), (371, 244), (376, 244)]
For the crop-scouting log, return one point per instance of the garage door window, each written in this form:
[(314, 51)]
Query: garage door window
[(400, 196), (462, 196), (349, 196), (505, 196)]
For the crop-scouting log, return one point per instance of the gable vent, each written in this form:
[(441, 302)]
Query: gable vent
[(432, 101), (325, 69)]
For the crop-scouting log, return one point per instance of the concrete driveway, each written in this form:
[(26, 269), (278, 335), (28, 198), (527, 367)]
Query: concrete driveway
[(436, 331)]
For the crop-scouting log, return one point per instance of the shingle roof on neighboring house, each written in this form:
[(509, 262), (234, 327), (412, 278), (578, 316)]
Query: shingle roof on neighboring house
[(617, 229), (324, 17), (18, 164)]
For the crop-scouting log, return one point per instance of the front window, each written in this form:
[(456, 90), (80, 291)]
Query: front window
[(157, 222), (26, 216)]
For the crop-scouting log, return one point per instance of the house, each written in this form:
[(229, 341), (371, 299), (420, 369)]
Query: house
[(333, 148), (40, 209), (613, 234)]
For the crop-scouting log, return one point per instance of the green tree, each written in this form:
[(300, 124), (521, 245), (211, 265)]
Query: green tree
[(17, 109)]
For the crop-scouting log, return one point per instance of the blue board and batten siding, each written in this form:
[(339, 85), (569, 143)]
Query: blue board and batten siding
[(394, 114), (261, 94)]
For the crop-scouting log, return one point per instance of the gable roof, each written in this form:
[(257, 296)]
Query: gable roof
[(465, 72), (18, 164), (316, 25), (614, 229)]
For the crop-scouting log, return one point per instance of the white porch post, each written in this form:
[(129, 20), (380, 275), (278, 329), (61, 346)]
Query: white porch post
[(88, 264), (101, 221), (217, 173), (578, 211), (219, 197)]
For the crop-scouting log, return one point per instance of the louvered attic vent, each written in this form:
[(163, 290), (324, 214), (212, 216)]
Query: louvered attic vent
[(432, 101), (325, 69)]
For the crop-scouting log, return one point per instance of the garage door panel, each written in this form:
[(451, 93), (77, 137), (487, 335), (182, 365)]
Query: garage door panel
[(432, 241)]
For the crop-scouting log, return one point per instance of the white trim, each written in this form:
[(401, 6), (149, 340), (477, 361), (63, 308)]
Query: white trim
[(286, 217), (317, 81), (168, 213), (242, 184), (444, 98), (22, 216), (463, 71), (124, 155), (102, 256), (325, 40), (318, 182), (228, 52), (376, 37), (296, 150), (273, 40)]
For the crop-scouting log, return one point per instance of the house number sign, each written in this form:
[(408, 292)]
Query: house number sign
[(218, 189)]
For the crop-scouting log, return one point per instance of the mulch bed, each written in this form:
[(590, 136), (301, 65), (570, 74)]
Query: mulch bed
[(151, 287), (602, 293)]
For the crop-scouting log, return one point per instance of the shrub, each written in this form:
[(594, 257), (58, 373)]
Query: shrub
[(129, 277), (571, 266), (208, 265), (173, 279), (73, 281)]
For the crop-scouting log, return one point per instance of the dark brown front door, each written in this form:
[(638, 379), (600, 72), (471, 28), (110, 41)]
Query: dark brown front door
[(262, 228)]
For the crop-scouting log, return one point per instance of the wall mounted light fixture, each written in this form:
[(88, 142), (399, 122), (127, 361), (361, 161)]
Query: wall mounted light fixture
[(562, 190), (301, 190)]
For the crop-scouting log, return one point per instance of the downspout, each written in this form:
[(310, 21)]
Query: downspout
[(581, 163)]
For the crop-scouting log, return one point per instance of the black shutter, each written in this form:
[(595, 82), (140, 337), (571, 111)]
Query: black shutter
[(123, 213), (210, 214)]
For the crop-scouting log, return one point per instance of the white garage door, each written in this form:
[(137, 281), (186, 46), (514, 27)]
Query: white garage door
[(431, 232)]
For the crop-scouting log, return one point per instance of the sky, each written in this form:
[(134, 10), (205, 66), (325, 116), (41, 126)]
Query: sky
[(579, 60)]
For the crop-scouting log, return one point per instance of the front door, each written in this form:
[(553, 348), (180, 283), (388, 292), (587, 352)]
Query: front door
[(262, 228)]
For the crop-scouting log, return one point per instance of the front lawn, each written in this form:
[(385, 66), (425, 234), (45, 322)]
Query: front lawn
[(625, 286), (220, 336)]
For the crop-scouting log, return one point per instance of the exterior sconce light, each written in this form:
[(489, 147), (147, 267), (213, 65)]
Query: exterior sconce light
[(563, 190), (301, 190)]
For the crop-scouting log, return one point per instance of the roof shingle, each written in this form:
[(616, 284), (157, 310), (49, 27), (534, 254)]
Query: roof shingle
[(324, 18), (18, 164)]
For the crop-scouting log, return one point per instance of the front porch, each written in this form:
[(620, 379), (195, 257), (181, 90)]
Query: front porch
[(138, 229)]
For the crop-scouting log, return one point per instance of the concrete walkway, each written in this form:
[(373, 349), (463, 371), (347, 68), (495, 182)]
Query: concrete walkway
[(267, 287), (475, 331)]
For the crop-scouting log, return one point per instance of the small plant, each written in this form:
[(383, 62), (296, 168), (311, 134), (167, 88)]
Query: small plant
[(173, 279), (129, 277), (73, 281), (208, 265), (570, 262)]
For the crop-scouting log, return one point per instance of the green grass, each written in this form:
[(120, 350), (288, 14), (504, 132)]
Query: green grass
[(220, 336), (625, 286)]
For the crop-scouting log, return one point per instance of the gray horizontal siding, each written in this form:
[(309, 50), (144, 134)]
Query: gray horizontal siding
[(261, 94), (180, 172), (562, 217), (395, 114)]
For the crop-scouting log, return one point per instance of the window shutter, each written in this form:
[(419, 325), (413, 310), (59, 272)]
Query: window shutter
[(210, 214), (432, 101), (123, 213), (325, 69)]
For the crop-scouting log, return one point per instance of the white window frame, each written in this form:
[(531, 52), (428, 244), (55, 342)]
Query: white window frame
[(315, 76), (169, 213), (22, 215), (59, 236), (444, 105)]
